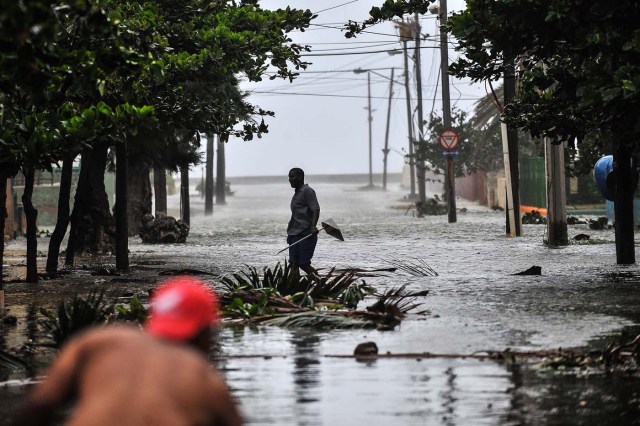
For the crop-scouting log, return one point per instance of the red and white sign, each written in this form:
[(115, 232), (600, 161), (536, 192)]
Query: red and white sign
[(449, 139)]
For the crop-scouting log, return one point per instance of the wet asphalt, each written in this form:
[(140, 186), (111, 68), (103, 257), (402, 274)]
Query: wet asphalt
[(582, 299)]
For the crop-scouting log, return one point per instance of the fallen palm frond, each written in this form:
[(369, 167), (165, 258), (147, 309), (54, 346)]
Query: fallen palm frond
[(269, 308), (344, 288), (11, 362), (74, 316), (82, 312), (399, 299), (413, 267), (277, 278), (367, 272), (319, 320)]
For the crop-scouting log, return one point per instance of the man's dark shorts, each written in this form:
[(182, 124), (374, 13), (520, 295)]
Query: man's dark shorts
[(302, 252)]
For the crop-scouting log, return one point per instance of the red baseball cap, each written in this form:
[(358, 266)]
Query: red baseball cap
[(181, 307)]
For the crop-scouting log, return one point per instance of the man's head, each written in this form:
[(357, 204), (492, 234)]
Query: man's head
[(296, 177), (183, 309)]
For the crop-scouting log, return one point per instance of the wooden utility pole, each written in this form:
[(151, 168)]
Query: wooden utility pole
[(421, 171), (221, 175), (370, 119), (450, 179), (556, 194), (405, 35), (385, 151), (208, 183), (412, 160)]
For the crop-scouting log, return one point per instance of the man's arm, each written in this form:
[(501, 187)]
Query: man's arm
[(222, 403), (314, 206), (53, 392), (314, 220)]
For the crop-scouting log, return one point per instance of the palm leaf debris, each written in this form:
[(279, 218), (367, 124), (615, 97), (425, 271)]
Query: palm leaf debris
[(413, 267), (274, 297)]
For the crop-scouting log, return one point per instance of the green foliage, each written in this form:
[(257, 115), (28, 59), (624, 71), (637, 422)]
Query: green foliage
[(71, 317), (75, 73), (344, 288), (135, 312), (578, 63), (238, 307)]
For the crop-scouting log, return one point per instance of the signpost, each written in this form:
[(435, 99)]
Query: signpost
[(449, 140)]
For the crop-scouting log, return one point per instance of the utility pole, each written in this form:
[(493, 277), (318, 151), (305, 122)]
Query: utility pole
[(385, 151), (405, 35), (556, 197), (421, 172), (450, 179), (370, 120)]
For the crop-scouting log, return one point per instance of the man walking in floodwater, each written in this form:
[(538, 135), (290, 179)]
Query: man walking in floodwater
[(305, 212), (119, 375)]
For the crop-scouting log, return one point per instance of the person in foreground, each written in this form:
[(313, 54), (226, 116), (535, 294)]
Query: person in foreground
[(305, 212), (120, 375)]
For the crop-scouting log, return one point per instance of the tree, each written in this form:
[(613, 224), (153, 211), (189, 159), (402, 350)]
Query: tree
[(196, 49), (579, 72)]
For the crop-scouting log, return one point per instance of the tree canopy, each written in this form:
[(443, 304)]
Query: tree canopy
[(75, 72)]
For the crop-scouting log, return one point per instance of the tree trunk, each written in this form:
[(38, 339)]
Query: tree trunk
[(3, 216), (160, 190), (122, 202), (208, 195), (138, 196), (623, 206), (31, 215), (92, 225), (184, 195), (220, 175), (62, 221), (512, 138)]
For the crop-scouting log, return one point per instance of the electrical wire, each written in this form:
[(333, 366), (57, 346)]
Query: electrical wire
[(359, 53), (334, 96), (335, 7), (352, 48), (493, 98)]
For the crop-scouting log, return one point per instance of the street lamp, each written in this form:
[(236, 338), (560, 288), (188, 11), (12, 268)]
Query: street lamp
[(370, 118), (385, 151)]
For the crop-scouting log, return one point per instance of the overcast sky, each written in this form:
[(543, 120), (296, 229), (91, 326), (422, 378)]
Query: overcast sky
[(321, 118)]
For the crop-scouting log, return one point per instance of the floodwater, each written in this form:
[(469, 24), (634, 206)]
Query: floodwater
[(475, 304)]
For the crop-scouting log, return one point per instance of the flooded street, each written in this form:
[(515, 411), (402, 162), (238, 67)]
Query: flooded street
[(475, 304)]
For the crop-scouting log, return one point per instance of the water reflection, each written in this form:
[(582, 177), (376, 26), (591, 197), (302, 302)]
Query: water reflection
[(287, 377), (306, 375)]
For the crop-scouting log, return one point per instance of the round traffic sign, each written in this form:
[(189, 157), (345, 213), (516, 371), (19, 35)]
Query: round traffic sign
[(449, 139)]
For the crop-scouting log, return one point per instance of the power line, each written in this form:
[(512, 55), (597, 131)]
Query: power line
[(352, 48), (360, 53), (335, 7), (475, 98)]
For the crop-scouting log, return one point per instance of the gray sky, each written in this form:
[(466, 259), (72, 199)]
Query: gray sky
[(321, 118)]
